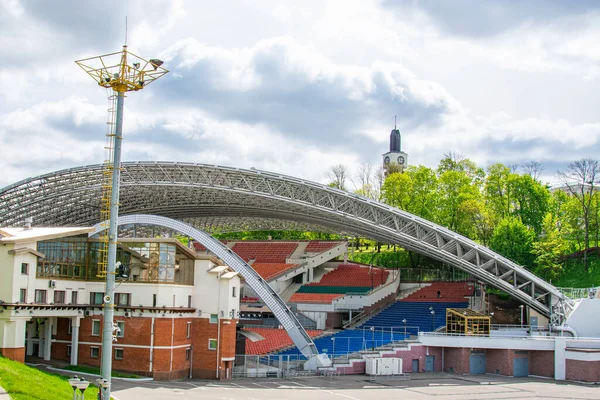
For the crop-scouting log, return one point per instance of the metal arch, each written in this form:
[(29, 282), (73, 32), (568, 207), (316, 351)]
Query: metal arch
[(200, 192), (285, 316)]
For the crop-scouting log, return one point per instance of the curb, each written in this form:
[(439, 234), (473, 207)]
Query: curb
[(4, 394), (98, 376)]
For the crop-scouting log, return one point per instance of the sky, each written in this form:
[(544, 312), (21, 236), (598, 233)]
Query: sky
[(296, 87)]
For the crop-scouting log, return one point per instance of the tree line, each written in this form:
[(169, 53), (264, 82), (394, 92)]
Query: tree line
[(506, 208)]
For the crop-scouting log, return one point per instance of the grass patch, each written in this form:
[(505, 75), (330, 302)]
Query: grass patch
[(27, 383), (96, 371)]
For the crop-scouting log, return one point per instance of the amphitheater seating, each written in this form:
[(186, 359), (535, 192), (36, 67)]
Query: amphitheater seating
[(310, 288), (449, 291), (316, 246), (275, 339), (354, 275), (265, 252), (417, 314), (314, 298), (271, 270), (351, 341)]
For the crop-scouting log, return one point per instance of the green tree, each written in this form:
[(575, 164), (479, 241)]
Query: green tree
[(549, 248), (530, 201), (514, 241), (397, 190), (455, 188)]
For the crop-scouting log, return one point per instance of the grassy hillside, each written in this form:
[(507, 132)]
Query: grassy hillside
[(27, 383)]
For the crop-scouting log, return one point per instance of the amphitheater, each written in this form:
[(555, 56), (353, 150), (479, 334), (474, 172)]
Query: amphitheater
[(291, 307)]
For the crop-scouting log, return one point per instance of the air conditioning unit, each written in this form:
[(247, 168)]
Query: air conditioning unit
[(88, 313), (383, 366), (127, 314), (51, 284)]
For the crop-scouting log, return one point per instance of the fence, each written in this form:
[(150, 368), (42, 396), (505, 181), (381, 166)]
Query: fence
[(431, 275), (581, 293)]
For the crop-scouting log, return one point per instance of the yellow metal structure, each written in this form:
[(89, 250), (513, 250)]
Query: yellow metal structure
[(119, 72), (467, 322)]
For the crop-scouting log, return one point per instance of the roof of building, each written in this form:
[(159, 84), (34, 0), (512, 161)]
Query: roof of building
[(17, 235)]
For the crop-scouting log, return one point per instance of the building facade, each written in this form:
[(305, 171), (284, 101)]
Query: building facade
[(175, 311)]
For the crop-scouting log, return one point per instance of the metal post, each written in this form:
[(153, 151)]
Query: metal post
[(107, 331)]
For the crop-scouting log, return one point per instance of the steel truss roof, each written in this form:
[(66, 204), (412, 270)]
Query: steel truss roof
[(215, 198)]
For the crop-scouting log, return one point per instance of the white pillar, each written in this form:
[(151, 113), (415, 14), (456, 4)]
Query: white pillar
[(41, 336), (560, 363), (30, 333), (48, 339), (74, 339)]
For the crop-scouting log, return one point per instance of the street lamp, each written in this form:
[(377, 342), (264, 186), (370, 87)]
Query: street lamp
[(404, 321), (120, 72), (372, 338), (432, 320), (333, 352), (78, 383), (522, 307), (103, 384)]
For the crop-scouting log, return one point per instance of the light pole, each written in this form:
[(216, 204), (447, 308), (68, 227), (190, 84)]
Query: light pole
[(78, 383), (333, 352), (372, 338), (113, 71), (522, 307), (404, 322), (432, 320)]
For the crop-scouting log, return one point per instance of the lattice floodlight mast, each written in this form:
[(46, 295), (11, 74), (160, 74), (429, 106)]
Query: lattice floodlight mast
[(120, 72)]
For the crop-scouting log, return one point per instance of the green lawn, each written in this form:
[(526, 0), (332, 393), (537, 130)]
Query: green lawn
[(27, 383)]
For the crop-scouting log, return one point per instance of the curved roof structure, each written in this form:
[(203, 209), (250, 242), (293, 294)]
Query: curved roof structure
[(213, 198)]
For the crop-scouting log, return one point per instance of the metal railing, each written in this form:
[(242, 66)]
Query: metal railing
[(581, 293)]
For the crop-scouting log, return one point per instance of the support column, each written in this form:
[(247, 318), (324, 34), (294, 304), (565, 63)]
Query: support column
[(30, 327), (48, 339), (41, 336), (74, 339), (560, 362)]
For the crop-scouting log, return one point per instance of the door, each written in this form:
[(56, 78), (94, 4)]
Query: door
[(534, 322), (415, 365), (477, 365), (521, 367), (429, 363)]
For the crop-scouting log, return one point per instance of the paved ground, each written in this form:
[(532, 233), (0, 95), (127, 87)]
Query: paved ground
[(357, 387)]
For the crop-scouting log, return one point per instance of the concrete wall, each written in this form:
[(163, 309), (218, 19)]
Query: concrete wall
[(584, 319)]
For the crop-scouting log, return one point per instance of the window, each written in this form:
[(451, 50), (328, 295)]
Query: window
[(59, 297), (122, 299), (24, 268), (118, 354), (188, 354), (23, 296), (70, 326), (233, 291), (121, 330), (95, 327), (96, 298), (212, 344), (188, 332), (189, 301), (214, 318), (95, 352), (153, 300), (68, 350), (40, 296), (73, 297)]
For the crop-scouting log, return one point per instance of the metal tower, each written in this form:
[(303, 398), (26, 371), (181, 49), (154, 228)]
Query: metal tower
[(119, 72)]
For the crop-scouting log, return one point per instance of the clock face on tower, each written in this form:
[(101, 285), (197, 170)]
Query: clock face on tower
[(400, 160), (386, 160)]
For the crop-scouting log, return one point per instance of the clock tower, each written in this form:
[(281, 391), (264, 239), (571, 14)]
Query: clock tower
[(395, 155)]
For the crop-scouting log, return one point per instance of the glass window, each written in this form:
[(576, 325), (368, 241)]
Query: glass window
[(188, 354), (96, 298), (121, 330), (73, 297), (95, 327), (212, 344), (214, 318), (189, 301), (23, 296), (95, 352), (233, 289), (123, 299), (68, 350), (118, 354), (70, 326), (59, 297), (40, 296), (189, 330), (24, 268)]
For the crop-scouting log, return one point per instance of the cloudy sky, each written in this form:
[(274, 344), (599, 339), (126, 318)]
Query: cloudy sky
[(295, 87)]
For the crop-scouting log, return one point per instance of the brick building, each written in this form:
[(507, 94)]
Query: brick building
[(176, 311)]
